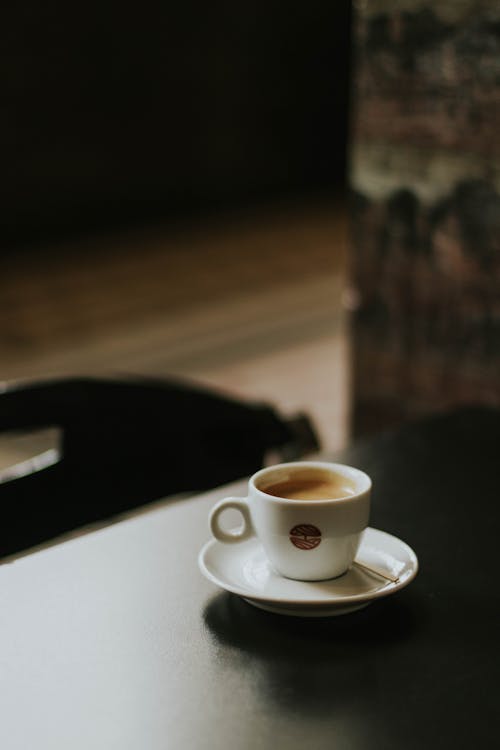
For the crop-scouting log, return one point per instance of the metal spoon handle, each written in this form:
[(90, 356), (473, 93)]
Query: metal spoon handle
[(376, 571)]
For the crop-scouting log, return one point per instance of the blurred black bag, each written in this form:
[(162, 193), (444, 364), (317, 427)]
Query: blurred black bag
[(125, 443)]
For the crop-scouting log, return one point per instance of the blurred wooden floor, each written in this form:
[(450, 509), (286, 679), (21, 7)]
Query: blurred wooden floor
[(251, 306)]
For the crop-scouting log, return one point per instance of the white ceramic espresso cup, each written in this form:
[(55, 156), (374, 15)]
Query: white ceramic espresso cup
[(309, 540)]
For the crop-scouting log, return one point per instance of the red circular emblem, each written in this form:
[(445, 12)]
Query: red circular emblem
[(305, 536)]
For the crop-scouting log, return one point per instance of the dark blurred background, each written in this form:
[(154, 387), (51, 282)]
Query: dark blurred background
[(173, 201), (117, 114)]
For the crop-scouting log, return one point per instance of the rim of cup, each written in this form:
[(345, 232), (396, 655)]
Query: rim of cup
[(360, 478)]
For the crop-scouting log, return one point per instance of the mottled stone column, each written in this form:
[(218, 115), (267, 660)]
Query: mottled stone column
[(425, 178)]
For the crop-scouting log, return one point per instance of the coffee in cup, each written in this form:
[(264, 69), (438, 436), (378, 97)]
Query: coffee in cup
[(308, 515), (320, 485)]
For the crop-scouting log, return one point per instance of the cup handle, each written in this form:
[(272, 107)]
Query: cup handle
[(230, 537)]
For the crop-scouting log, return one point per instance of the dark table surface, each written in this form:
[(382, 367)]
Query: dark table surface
[(114, 640)]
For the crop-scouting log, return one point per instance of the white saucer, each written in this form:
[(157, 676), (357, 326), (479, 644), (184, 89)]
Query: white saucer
[(244, 569)]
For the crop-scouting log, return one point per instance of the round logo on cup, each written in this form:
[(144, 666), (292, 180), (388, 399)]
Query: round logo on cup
[(305, 536)]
